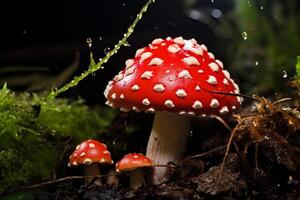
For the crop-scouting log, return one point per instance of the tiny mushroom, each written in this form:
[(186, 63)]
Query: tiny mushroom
[(90, 153), (133, 163), (176, 79)]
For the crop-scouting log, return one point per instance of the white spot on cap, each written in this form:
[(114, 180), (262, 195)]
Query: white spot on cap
[(191, 113), (197, 88), (157, 41), (123, 109), (182, 112), (77, 147), (106, 152), (74, 163), (146, 102), (210, 55), (119, 77), (212, 80), (225, 81), (113, 96), (200, 71), (236, 88), (129, 71), (233, 107), (135, 87), (214, 103), (226, 73), (156, 61), (193, 41), (150, 110), (87, 161), (239, 99), (92, 145), (122, 96), (167, 71), (184, 74), (203, 47), (139, 51), (213, 66), (191, 60), (181, 93), (82, 154), (145, 55), (102, 160), (219, 63), (179, 40), (224, 110), (135, 156), (129, 63), (197, 105), (159, 87), (173, 48), (147, 75), (136, 109), (168, 38), (197, 51), (169, 104)]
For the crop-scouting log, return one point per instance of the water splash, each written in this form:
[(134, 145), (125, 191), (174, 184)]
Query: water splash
[(89, 41), (107, 50), (284, 74), (245, 35)]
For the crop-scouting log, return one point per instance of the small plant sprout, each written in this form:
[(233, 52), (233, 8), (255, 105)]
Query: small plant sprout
[(90, 153), (133, 163), (177, 79)]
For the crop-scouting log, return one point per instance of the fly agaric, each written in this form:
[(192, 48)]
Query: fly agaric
[(133, 163), (176, 79), (90, 153)]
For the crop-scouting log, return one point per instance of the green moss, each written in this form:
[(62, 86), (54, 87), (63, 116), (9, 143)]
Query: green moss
[(31, 136)]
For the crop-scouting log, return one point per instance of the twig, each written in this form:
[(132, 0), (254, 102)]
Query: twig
[(222, 121), (204, 154), (38, 185)]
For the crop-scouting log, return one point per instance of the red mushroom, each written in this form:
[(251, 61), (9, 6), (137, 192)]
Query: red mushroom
[(173, 77), (90, 153), (133, 163)]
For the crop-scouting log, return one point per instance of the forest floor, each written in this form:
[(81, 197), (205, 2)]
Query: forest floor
[(258, 158)]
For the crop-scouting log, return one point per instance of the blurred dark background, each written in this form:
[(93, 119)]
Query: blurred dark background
[(40, 39), (43, 43)]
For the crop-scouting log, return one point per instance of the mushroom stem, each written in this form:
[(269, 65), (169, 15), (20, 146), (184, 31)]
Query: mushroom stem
[(91, 171), (167, 142), (112, 179), (136, 178)]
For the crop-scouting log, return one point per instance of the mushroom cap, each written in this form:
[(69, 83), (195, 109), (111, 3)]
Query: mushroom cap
[(133, 161), (88, 152), (173, 75)]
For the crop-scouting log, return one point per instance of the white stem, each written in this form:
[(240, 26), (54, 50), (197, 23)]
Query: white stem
[(92, 170), (136, 178), (167, 142)]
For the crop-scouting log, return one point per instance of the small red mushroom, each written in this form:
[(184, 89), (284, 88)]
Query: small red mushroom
[(173, 77), (133, 163), (90, 153)]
